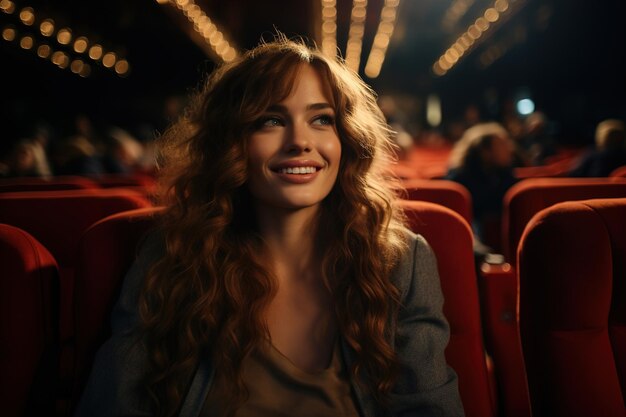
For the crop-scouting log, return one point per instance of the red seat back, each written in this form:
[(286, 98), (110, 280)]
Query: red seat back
[(41, 184), (451, 239), (28, 332), (619, 172), (572, 308), (106, 252), (528, 197), (449, 194)]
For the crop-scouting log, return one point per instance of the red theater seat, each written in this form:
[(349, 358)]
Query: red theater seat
[(528, 197), (106, 252), (619, 172), (28, 332), (451, 239), (449, 194), (572, 308), (499, 284), (41, 184), (57, 219)]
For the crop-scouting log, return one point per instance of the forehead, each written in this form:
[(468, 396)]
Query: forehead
[(309, 84)]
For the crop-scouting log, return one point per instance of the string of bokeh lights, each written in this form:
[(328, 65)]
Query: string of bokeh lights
[(204, 26), (59, 45), (471, 37), (354, 47)]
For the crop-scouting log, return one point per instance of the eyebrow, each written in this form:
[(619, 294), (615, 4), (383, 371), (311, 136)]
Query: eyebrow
[(314, 106)]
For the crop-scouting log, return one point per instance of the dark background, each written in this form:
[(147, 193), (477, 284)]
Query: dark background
[(567, 55)]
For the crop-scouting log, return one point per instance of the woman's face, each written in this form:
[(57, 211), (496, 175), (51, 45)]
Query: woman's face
[(294, 153)]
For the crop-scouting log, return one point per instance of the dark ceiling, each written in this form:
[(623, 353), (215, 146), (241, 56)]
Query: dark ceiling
[(567, 54)]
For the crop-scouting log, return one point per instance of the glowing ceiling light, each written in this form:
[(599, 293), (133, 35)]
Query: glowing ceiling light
[(108, 60), (77, 66), (8, 34), (47, 27), (382, 38), (501, 5), (27, 16), (44, 51), (64, 36), (7, 6), (492, 15), (95, 52), (27, 42), (355, 35), (122, 67), (80, 45)]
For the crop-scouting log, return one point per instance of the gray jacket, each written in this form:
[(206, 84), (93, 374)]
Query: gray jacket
[(426, 386)]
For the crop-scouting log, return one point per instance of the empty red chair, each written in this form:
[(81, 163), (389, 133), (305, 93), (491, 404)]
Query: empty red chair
[(499, 283), (41, 184), (449, 194), (28, 332), (530, 196), (451, 239), (572, 308), (58, 219), (106, 252)]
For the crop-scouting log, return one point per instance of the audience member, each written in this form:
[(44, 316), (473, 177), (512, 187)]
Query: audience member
[(609, 153), (482, 162)]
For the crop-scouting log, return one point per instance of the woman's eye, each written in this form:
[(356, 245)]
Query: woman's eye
[(271, 122), (324, 120)]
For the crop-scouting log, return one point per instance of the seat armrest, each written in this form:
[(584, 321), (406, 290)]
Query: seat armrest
[(498, 289)]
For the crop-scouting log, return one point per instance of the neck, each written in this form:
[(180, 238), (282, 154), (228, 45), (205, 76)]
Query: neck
[(289, 237)]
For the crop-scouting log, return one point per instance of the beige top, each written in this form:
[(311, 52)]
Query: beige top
[(277, 387)]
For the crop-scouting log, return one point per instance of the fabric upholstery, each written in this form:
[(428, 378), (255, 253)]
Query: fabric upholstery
[(28, 313), (572, 308), (528, 197), (106, 251), (449, 194), (67, 182), (451, 239)]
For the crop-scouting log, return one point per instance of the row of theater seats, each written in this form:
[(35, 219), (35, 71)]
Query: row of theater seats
[(56, 301)]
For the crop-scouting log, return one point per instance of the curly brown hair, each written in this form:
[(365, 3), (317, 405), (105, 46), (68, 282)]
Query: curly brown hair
[(208, 294)]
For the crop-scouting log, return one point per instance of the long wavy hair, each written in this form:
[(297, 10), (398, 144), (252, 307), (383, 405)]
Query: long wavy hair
[(209, 293)]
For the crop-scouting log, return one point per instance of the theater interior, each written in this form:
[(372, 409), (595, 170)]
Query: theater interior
[(531, 255)]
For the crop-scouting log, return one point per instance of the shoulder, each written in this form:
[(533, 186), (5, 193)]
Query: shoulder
[(417, 264)]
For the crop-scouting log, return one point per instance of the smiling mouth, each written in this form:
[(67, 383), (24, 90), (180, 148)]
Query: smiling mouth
[(297, 170)]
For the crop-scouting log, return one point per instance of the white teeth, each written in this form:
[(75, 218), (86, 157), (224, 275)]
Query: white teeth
[(298, 170)]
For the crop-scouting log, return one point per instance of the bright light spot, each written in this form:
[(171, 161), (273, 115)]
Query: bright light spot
[(433, 110), (80, 45), (122, 67), (438, 70), (26, 42), (64, 36), (47, 27), (230, 54), (525, 106), (162, 1), (329, 27), (27, 16), (482, 24), (501, 5), (8, 34), (492, 15), (329, 12), (95, 52), (77, 66), (7, 6), (44, 51), (59, 58), (474, 32), (108, 60)]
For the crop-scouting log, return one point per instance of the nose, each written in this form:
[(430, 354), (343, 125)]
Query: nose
[(297, 139)]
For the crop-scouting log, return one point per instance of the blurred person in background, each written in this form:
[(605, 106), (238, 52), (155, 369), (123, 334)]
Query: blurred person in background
[(536, 141), (123, 152), (609, 152), (482, 161)]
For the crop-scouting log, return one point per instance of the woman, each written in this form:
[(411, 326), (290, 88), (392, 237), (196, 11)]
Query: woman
[(282, 281), (482, 161)]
